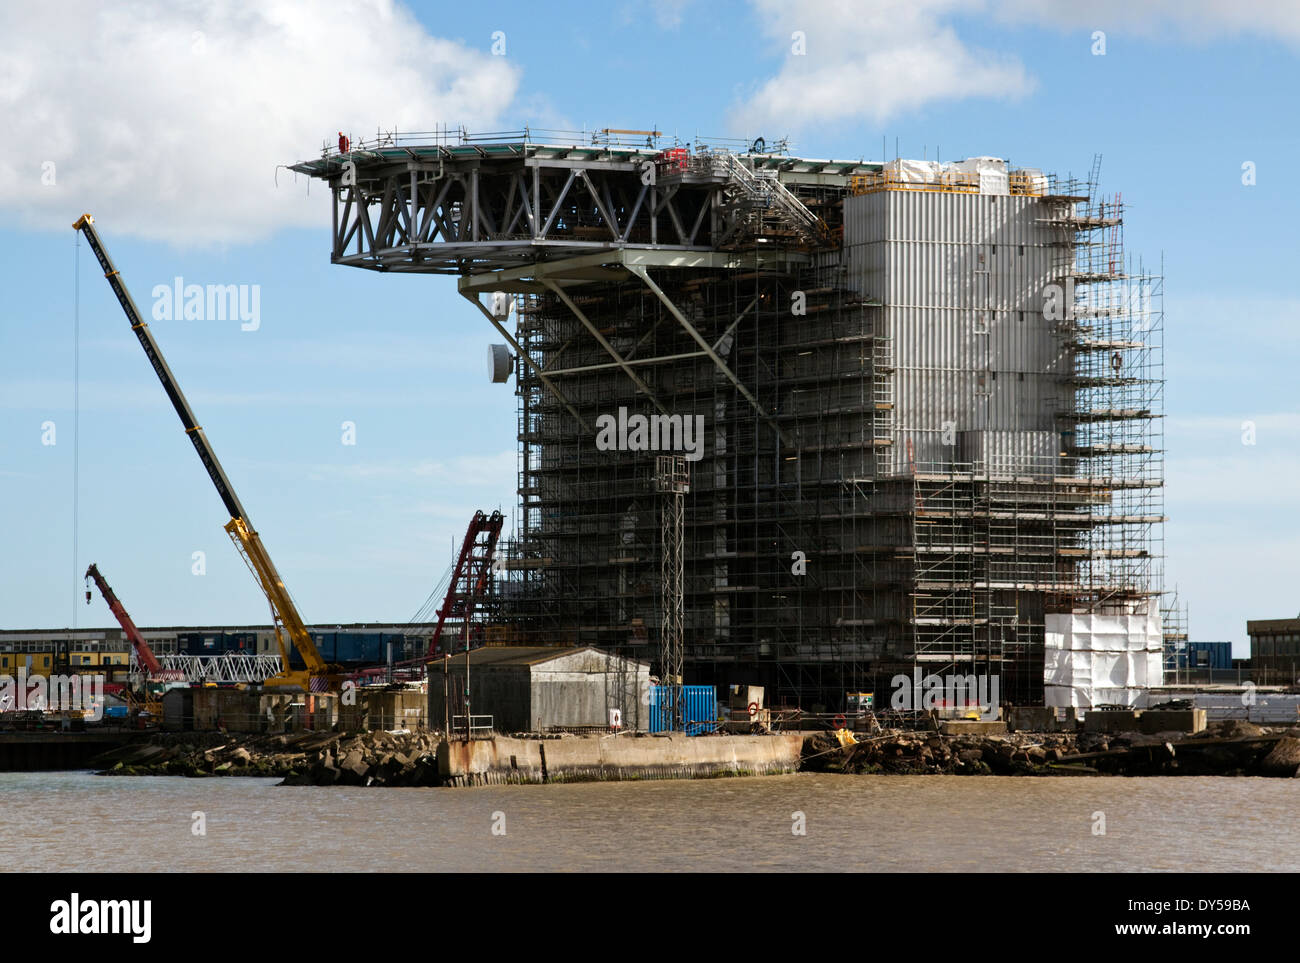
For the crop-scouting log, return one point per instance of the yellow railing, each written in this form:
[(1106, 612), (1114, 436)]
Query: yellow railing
[(950, 182), (1023, 183)]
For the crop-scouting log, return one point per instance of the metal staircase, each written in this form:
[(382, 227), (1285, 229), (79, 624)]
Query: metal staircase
[(759, 195)]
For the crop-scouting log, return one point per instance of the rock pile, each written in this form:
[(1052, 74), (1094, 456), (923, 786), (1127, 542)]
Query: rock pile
[(1231, 748), (302, 759), (921, 753)]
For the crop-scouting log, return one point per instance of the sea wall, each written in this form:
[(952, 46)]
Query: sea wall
[(608, 757)]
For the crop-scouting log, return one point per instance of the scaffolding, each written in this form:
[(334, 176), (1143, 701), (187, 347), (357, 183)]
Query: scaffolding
[(931, 407)]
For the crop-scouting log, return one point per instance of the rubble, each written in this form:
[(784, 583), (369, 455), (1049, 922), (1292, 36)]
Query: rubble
[(1231, 748), (302, 759), (410, 759), (903, 752)]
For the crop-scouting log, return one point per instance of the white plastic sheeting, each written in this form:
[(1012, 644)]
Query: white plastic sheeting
[(992, 173), (915, 171), (1094, 660)]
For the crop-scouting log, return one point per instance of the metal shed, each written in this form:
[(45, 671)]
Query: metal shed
[(535, 688)]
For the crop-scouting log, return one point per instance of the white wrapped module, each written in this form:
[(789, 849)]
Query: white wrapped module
[(992, 172), (1102, 659), (913, 171)]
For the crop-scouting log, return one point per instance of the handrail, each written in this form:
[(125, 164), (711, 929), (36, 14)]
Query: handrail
[(1020, 183), (476, 724)]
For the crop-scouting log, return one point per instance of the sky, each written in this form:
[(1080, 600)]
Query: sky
[(171, 123)]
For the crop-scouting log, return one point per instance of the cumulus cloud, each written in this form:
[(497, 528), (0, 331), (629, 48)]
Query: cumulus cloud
[(871, 62), (668, 13), (1197, 19), (167, 119), (465, 470), (876, 61)]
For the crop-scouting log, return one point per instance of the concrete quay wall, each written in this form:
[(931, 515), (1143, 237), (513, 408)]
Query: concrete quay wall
[(605, 757)]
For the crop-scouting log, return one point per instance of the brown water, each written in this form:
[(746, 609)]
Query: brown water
[(65, 821)]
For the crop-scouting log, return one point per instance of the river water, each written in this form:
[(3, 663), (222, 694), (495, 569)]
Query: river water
[(78, 821)]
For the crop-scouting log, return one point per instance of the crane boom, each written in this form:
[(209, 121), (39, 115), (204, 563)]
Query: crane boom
[(153, 668), (469, 579), (318, 675), (86, 224)]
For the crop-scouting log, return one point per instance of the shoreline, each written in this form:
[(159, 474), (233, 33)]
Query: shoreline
[(398, 759), (1228, 748)]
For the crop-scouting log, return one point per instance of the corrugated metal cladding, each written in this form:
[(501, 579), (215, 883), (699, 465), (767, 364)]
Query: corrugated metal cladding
[(961, 278), (699, 709)]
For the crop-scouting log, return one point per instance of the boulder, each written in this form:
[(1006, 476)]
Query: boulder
[(353, 767), (1283, 759)]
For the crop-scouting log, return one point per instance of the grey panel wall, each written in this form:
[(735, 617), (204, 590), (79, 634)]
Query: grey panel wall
[(962, 279), (499, 691), (579, 690)]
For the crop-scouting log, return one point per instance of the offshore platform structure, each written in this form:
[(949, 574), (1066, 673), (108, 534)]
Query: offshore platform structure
[(929, 397)]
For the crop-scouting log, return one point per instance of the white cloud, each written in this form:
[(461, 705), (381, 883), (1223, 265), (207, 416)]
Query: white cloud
[(668, 13), (462, 470), (1197, 19), (469, 472), (876, 61), (167, 120), (871, 62)]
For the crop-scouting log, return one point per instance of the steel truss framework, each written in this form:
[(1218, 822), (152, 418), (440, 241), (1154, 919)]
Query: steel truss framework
[(216, 668), (466, 208)]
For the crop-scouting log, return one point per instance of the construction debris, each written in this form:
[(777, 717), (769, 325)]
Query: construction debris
[(305, 759), (1224, 749)]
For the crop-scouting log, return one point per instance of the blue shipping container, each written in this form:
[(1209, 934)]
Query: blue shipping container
[(699, 709), (1202, 655)]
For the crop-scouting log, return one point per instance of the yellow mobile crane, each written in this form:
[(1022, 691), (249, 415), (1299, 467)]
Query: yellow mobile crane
[(318, 676)]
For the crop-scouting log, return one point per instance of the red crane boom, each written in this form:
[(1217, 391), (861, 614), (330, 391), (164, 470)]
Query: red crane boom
[(470, 577), (153, 668)]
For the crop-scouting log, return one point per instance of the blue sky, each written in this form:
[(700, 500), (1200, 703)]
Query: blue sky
[(171, 127)]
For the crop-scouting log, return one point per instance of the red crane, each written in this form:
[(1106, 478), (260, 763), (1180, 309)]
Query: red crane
[(153, 669), (470, 577)]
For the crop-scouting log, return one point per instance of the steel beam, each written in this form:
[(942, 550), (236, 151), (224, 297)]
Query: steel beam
[(658, 359), (667, 302), (609, 348), (555, 208), (510, 340), (623, 259)]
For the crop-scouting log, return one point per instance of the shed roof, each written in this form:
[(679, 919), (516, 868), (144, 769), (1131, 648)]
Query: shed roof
[(502, 655)]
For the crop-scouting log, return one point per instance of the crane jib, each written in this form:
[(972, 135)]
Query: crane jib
[(192, 429), (154, 354), (318, 676)]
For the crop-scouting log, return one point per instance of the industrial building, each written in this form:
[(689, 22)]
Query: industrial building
[(107, 651), (912, 409), (1274, 651), (535, 689)]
